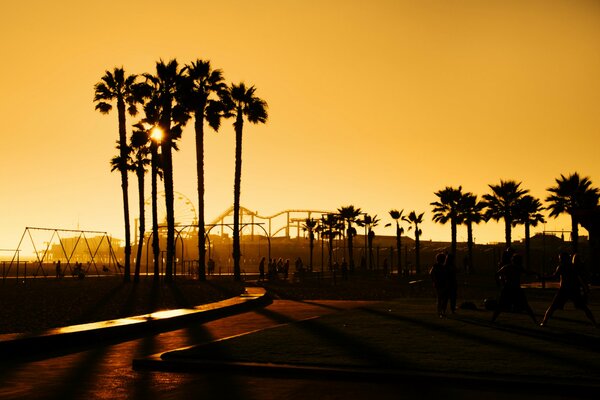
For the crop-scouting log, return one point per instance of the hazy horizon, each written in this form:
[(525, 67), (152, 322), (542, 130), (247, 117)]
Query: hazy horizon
[(375, 104)]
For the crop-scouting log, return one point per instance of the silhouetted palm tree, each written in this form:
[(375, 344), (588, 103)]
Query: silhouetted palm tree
[(139, 145), (310, 226), (571, 195), (122, 88), (155, 135), (201, 83), (500, 204), (471, 212), (243, 103), (397, 216), (330, 228), (350, 215), (370, 222), (165, 91), (446, 210), (415, 219), (528, 213)]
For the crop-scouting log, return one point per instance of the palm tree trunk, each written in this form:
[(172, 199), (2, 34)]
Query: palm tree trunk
[(124, 187), (417, 252), (399, 247), (142, 227), (167, 160), (199, 126), (453, 235), (527, 247), (155, 238), (239, 123), (470, 245), (312, 248), (574, 234), (508, 231), (350, 247)]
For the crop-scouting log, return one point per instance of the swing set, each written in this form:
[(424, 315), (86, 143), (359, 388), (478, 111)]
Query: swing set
[(68, 245)]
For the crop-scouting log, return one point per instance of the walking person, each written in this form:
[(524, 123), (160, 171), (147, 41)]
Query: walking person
[(439, 278), (512, 296), (573, 286)]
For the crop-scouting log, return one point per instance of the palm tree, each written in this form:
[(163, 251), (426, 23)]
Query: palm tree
[(370, 222), (528, 213), (446, 210), (571, 195), (415, 219), (165, 100), (155, 135), (330, 228), (470, 213), (243, 103), (500, 204), (122, 88), (141, 152), (397, 216), (349, 215), (310, 226), (201, 82)]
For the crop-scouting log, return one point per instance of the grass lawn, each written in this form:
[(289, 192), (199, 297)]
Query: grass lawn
[(405, 333)]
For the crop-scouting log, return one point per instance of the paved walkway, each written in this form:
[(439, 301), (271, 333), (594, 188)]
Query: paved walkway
[(105, 371)]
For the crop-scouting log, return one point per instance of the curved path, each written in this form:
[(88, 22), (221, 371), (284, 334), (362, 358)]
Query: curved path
[(105, 372)]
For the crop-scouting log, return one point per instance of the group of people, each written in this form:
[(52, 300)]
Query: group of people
[(443, 277), (274, 268), (573, 285)]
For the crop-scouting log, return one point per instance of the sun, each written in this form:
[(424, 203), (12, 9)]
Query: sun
[(156, 133)]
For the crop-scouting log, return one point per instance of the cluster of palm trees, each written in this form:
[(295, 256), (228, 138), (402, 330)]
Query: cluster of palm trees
[(169, 98), (507, 201), (341, 224)]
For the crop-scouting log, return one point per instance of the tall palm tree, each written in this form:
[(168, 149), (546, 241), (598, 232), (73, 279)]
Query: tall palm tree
[(500, 204), (572, 194), (155, 135), (117, 86), (471, 212), (156, 172), (370, 222), (242, 102), (330, 228), (528, 213), (397, 216), (140, 160), (202, 83), (416, 219), (349, 215), (166, 84), (446, 210), (310, 225)]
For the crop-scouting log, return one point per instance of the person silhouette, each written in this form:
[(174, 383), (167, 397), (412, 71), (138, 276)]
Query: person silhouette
[(512, 296), (573, 286)]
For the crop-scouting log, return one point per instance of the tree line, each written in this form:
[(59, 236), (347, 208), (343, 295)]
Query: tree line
[(507, 201), (169, 98)]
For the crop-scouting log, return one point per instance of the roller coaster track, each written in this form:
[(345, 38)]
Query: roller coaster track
[(254, 215)]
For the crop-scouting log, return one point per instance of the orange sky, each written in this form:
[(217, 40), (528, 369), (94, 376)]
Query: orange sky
[(376, 104)]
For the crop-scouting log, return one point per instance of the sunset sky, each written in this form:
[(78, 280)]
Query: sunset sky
[(377, 104)]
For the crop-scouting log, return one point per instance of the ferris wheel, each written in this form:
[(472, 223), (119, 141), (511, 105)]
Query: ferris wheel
[(184, 210)]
